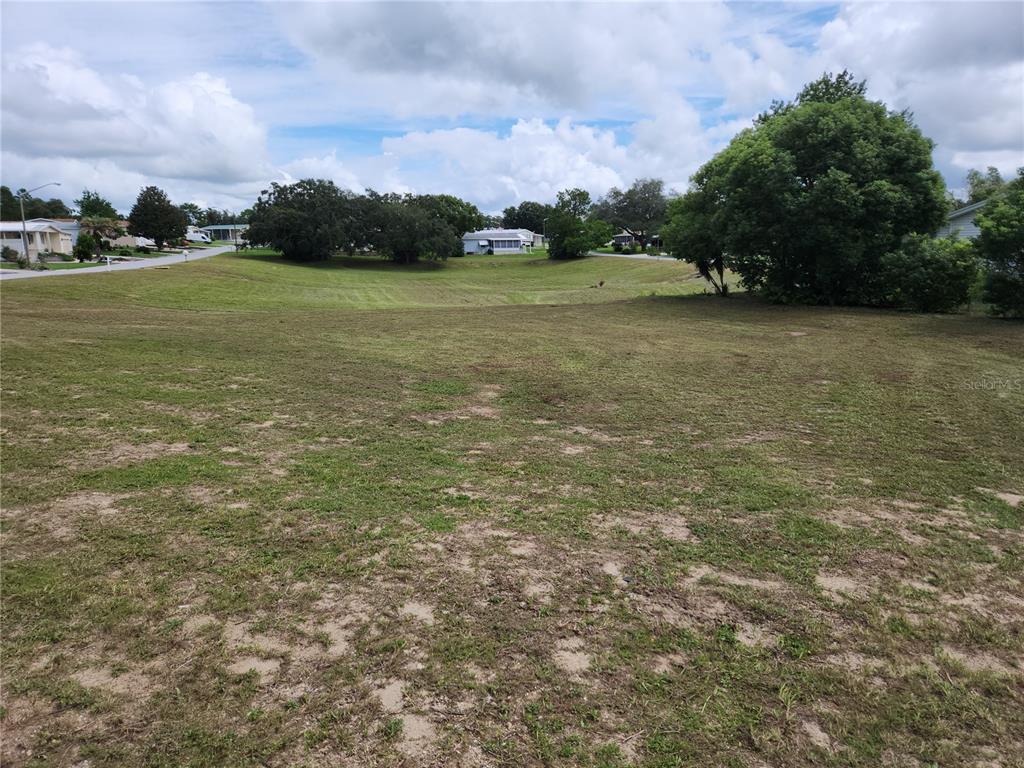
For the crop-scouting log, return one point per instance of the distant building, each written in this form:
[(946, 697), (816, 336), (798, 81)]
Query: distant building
[(231, 232), (961, 222), (70, 227), (42, 237), (499, 241)]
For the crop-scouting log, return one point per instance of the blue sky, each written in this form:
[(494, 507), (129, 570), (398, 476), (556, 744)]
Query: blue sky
[(495, 102)]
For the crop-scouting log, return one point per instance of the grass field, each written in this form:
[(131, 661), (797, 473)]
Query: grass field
[(490, 514)]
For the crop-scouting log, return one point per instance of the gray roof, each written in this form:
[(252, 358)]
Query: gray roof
[(498, 234), (967, 209)]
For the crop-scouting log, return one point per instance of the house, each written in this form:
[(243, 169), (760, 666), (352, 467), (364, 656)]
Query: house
[(497, 241), (230, 232), (71, 227), (623, 238), (42, 237), (535, 240), (961, 222)]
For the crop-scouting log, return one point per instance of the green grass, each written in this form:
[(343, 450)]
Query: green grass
[(52, 265), (257, 513)]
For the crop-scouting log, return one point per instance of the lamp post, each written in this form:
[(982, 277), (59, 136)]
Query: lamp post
[(21, 204)]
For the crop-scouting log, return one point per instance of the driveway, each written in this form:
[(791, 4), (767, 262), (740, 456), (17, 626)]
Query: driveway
[(646, 256), (156, 261)]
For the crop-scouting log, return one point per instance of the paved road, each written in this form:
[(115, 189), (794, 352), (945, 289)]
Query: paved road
[(633, 256), (156, 261)]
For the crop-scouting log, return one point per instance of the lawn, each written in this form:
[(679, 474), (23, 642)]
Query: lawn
[(495, 513), (53, 265)]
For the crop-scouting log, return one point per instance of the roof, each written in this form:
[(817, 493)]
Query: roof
[(967, 209), (30, 226), (225, 226), (498, 234)]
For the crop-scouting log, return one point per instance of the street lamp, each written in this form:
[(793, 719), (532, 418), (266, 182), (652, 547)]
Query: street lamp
[(21, 203)]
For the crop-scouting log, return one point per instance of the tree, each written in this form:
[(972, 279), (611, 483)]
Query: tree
[(409, 233), (100, 228), (804, 204), (461, 216), (576, 201), (92, 204), (639, 210), (983, 186), (527, 215), (35, 207), (194, 215), (156, 217), (930, 274), (308, 220), (689, 235), (569, 236), (1001, 246)]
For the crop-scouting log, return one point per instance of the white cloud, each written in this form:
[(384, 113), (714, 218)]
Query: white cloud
[(264, 92), (115, 129), (959, 67)]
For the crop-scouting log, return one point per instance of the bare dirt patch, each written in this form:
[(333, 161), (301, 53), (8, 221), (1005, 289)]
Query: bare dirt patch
[(567, 449), (672, 527), (461, 414), (126, 453), (265, 668), (140, 686), (570, 657), (979, 661), (418, 736), (391, 696), (816, 736), (419, 611), (841, 587), (1007, 497)]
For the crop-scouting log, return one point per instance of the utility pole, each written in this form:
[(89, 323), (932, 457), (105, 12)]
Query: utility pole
[(21, 204)]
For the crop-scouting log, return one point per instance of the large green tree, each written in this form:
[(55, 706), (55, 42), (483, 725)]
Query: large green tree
[(527, 215), (93, 204), (156, 217), (410, 232), (1001, 246), (458, 214), (804, 204), (638, 210), (570, 235), (308, 220)]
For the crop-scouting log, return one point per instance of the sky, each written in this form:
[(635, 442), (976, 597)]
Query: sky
[(494, 102)]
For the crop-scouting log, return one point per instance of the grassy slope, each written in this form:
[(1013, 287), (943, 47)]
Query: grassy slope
[(759, 528)]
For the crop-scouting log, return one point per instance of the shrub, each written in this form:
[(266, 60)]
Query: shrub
[(67, 257), (930, 274), (617, 247), (124, 251), (85, 247), (9, 254)]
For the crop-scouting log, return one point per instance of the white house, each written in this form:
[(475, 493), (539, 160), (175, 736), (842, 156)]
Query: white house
[(42, 237), (70, 227), (961, 222), (232, 232), (497, 241)]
